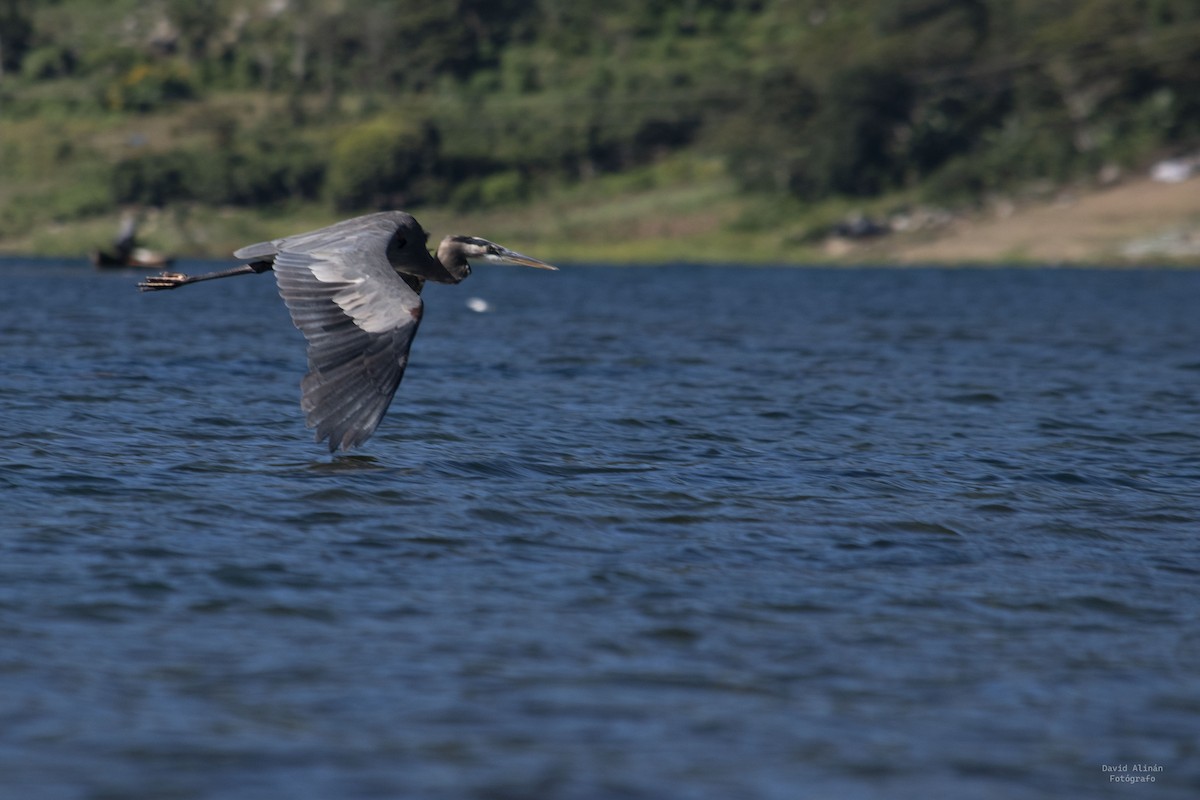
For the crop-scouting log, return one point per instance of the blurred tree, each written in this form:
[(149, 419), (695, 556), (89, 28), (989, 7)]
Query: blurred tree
[(16, 34), (859, 133), (379, 164), (155, 180)]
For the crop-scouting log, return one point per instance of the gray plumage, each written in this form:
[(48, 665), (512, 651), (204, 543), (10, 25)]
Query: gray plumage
[(353, 290)]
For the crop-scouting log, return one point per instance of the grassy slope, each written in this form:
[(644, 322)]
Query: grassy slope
[(683, 209)]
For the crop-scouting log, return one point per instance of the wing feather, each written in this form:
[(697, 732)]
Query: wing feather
[(359, 319)]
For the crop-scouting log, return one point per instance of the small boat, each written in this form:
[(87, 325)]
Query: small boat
[(126, 253), (138, 258)]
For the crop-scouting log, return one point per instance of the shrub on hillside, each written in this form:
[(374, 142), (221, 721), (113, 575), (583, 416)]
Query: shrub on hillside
[(381, 164)]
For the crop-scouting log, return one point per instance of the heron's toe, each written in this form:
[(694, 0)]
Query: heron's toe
[(166, 280)]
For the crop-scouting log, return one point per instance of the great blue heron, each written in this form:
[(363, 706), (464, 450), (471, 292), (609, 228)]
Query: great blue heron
[(353, 290)]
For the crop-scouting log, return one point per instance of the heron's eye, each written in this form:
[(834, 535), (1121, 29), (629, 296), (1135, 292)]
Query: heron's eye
[(493, 250)]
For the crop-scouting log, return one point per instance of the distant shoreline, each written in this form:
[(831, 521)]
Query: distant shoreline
[(1137, 221)]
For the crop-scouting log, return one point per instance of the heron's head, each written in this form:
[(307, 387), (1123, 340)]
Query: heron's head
[(456, 251)]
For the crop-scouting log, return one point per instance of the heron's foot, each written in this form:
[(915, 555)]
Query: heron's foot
[(165, 280)]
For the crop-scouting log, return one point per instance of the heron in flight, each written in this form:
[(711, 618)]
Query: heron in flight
[(354, 291)]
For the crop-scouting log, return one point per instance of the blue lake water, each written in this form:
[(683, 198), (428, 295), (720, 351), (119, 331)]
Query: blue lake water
[(678, 532)]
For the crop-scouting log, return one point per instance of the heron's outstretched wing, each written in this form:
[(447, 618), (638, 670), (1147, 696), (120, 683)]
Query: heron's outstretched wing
[(358, 316)]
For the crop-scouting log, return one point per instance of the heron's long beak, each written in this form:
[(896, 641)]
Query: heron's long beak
[(513, 257)]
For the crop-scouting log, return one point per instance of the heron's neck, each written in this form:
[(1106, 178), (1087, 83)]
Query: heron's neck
[(451, 257), (453, 262)]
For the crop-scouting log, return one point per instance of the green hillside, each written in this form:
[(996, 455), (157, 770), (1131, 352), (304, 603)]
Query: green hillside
[(693, 129)]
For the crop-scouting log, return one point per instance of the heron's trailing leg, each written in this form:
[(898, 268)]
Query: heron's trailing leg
[(173, 280)]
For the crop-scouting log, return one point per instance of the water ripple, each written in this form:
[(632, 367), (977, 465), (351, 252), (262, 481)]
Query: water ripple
[(726, 533)]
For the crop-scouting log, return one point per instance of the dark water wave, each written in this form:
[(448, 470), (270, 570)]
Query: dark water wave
[(661, 533)]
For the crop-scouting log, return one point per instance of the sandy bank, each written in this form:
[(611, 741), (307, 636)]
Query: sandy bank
[(1137, 221)]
